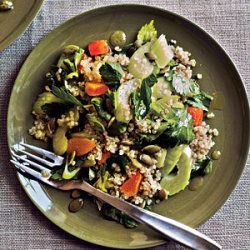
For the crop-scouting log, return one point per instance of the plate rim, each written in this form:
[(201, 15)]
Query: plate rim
[(23, 26), (240, 84)]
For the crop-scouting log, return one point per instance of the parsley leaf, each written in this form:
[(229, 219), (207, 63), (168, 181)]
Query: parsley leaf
[(203, 101), (146, 92), (121, 160), (185, 86), (182, 131), (65, 96), (98, 103), (55, 109), (139, 106), (117, 128), (111, 72), (142, 98), (199, 167)]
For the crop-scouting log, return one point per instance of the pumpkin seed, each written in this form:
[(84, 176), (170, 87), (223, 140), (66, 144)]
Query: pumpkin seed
[(162, 194), (75, 205), (164, 70), (76, 194), (146, 159), (45, 174), (88, 163), (111, 121), (136, 163), (127, 142), (131, 51), (151, 149), (196, 183), (150, 56)]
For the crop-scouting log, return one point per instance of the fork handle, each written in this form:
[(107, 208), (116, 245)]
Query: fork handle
[(169, 228)]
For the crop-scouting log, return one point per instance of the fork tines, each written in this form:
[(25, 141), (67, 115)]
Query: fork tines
[(23, 159)]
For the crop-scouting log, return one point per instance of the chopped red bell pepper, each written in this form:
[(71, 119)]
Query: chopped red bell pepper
[(131, 186), (105, 156), (95, 89), (99, 47), (197, 115), (80, 145)]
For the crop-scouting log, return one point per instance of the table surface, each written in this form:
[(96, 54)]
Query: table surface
[(22, 226)]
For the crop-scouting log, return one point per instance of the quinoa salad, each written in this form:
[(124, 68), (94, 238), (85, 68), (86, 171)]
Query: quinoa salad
[(129, 118)]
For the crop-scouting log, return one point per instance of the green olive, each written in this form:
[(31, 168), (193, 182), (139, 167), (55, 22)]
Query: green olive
[(118, 38), (216, 155), (60, 142), (196, 183)]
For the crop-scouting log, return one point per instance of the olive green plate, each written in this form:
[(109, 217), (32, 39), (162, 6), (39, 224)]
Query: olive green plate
[(13, 23), (219, 75)]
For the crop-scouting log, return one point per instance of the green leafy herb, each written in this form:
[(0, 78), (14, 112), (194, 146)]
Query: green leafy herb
[(181, 84), (103, 183), (141, 99), (69, 66), (95, 122), (57, 174), (169, 75), (136, 103), (185, 86), (78, 57), (167, 108), (53, 79), (147, 32), (203, 101), (121, 160), (194, 89), (145, 138), (103, 169), (98, 103), (181, 132), (172, 63), (112, 95), (114, 214), (146, 92), (55, 109), (65, 96), (201, 168), (111, 73), (117, 128), (139, 106)]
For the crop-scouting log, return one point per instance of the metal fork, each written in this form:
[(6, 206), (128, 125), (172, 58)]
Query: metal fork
[(169, 228)]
